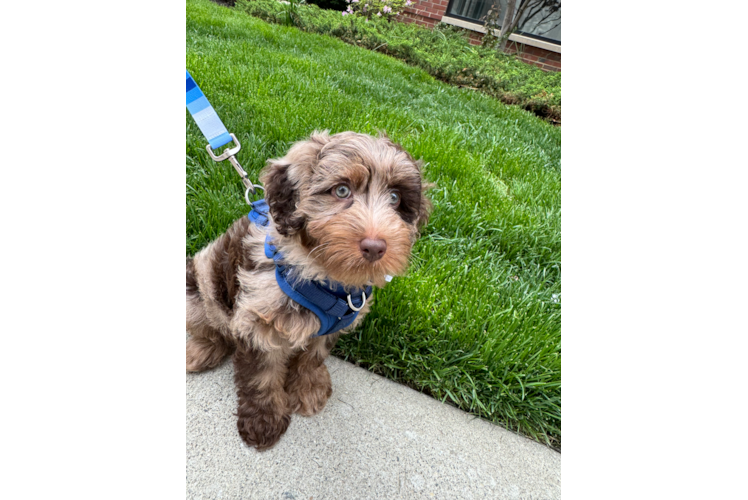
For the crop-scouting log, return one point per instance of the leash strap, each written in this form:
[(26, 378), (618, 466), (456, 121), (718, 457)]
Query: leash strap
[(213, 129), (205, 116)]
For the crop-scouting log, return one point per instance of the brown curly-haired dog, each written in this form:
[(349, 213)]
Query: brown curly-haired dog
[(344, 208)]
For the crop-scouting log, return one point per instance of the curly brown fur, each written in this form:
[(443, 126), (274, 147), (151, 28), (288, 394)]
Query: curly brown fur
[(263, 413), (343, 208), (308, 383), (206, 348)]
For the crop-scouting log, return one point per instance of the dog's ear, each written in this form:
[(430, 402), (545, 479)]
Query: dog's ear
[(281, 196), (283, 177), (424, 210)]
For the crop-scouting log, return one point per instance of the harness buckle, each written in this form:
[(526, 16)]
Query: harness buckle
[(357, 309)]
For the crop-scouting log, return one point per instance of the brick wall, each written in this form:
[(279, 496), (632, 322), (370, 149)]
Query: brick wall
[(423, 11), (429, 12), (412, 17), (545, 59)]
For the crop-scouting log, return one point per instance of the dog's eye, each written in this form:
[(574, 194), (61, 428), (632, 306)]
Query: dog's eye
[(394, 198), (342, 191)]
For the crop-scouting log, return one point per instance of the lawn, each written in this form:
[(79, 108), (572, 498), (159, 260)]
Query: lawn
[(477, 320), (444, 52)]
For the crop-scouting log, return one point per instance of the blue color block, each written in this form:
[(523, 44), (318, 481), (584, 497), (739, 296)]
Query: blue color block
[(198, 105), (221, 140)]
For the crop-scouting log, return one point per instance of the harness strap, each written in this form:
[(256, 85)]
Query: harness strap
[(259, 214), (205, 116), (328, 303), (307, 293)]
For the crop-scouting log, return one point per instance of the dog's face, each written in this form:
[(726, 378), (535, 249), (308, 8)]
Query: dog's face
[(353, 202)]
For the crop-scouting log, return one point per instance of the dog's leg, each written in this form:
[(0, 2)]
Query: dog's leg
[(263, 404), (206, 347), (308, 383)]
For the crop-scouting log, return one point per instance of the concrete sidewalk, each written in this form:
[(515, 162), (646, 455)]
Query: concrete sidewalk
[(375, 439)]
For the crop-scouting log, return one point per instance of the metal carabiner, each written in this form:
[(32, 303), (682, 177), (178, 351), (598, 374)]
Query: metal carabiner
[(230, 155)]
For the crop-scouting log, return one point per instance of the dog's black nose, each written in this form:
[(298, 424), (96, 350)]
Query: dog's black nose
[(372, 250)]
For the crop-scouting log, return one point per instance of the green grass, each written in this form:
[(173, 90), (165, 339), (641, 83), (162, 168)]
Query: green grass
[(444, 52), (476, 322)]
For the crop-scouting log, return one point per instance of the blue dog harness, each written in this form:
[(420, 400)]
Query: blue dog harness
[(335, 308)]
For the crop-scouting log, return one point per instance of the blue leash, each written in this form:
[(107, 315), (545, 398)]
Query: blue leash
[(205, 116), (216, 133)]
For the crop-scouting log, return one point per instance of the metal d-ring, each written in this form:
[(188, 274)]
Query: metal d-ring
[(350, 304), (246, 193)]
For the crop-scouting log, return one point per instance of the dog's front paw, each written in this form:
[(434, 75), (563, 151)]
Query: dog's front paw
[(308, 393), (262, 428)]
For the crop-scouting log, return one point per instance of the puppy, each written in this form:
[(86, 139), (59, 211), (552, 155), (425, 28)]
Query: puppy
[(344, 212)]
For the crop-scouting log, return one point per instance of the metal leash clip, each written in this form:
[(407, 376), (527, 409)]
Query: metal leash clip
[(229, 154)]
